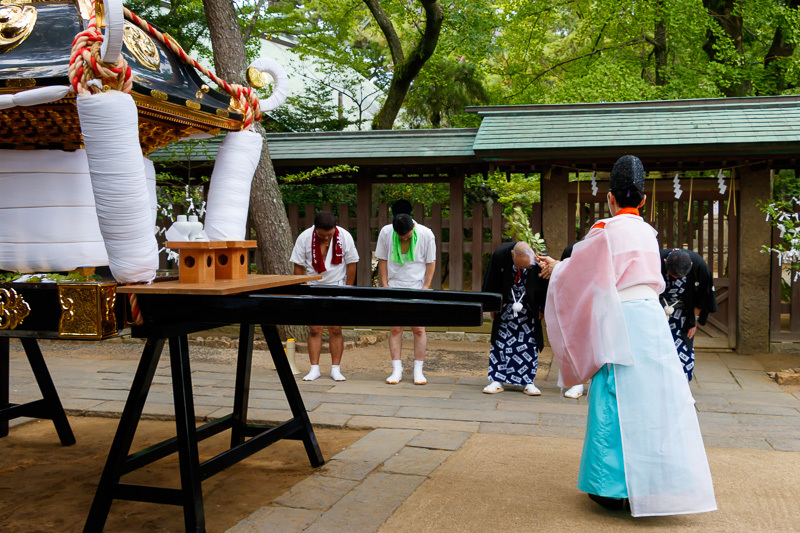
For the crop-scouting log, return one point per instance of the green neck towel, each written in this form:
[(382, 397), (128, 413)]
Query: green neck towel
[(397, 255)]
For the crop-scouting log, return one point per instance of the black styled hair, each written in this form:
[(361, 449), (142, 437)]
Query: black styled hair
[(679, 263), (628, 197), (401, 207), (402, 224), (325, 220)]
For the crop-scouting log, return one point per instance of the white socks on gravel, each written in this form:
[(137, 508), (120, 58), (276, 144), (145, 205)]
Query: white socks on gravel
[(419, 378), (336, 374), (312, 374), (397, 372)]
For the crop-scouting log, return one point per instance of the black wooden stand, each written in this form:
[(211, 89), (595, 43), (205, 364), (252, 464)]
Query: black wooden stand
[(246, 439), (48, 407)]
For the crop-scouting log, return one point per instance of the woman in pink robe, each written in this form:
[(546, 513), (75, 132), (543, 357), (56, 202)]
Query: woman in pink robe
[(643, 446)]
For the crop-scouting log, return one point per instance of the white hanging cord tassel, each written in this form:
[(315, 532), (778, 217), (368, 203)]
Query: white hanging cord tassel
[(516, 307)]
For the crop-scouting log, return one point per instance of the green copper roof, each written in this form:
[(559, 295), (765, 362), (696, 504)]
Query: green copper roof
[(393, 147), (384, 147), (666, 133), (740, 127)]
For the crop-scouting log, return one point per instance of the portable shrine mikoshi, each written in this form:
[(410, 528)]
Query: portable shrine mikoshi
[(78, 112), (77, 190)]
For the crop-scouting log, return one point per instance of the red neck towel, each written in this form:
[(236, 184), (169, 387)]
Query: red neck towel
[(317, 259)]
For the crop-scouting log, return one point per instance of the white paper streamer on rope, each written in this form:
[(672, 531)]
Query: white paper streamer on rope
[(110, 128), (676, 186), (38, 96), (48, 221), (281, 89), (721, 181), (229, 190), (594, 184)]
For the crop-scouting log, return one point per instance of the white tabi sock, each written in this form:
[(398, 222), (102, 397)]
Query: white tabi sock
[(419, 377), (312, 374), (397, 372), (336, 373)]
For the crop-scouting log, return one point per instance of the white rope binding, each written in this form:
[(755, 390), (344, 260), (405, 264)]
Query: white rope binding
[(281, 89)]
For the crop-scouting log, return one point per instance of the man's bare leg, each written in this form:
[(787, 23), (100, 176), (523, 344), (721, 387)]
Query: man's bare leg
[(396, 350), (337, 348), (420, 345), (314, 349)]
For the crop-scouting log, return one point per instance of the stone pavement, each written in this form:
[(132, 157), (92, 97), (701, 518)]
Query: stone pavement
[(415, 428)]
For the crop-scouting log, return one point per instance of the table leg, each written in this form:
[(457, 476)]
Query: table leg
[(5, 381), (292, 394), (241, 393), (188, 457), (123, 439), (48, 389)]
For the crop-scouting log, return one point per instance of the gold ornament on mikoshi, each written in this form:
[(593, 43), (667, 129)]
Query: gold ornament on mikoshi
[(16, 23), (141, 46), (13, 309), (256, 78)]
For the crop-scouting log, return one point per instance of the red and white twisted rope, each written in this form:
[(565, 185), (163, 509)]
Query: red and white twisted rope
[(85, 64), (244, 95)]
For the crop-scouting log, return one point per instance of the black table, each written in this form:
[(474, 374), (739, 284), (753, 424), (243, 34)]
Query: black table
[(171, 315), (49, 406)]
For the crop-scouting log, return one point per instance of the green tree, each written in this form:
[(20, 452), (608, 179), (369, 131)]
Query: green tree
[(387, 42), (442, 91)]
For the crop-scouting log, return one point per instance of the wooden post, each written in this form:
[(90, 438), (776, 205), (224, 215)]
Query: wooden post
[(557, 213), (294, 218), (456, 260), (497, 225), (436, 227), (343, 219), (477, 246), (363, 235), (310, 214)]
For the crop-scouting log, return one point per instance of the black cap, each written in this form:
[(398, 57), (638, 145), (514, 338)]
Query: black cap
[(628, 172)]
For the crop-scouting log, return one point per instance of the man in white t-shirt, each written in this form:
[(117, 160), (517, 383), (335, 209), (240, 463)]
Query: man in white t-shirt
[(406, 254), (326, 249)]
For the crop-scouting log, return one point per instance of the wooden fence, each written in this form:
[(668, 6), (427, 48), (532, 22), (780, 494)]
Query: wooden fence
[(460, 257)]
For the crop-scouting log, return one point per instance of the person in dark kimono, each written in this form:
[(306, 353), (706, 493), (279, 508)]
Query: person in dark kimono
[(688, 299), (516, 328)]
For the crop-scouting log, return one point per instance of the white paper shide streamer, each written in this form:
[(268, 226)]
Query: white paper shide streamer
[(109, 124), (229, 190), (721, 182), (676, 186)]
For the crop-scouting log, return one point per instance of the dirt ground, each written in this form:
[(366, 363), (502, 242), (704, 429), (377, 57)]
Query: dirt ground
[(47, 487)]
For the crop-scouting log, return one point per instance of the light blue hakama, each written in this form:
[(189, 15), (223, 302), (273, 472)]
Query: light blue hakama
[(642, 436)]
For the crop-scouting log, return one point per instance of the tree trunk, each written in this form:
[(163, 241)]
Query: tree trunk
[(724, 13), (266, 206), (405, 69), (780, 48), (660, 46)]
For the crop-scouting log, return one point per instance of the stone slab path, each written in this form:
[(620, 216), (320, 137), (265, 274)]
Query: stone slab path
[(415, 428)]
